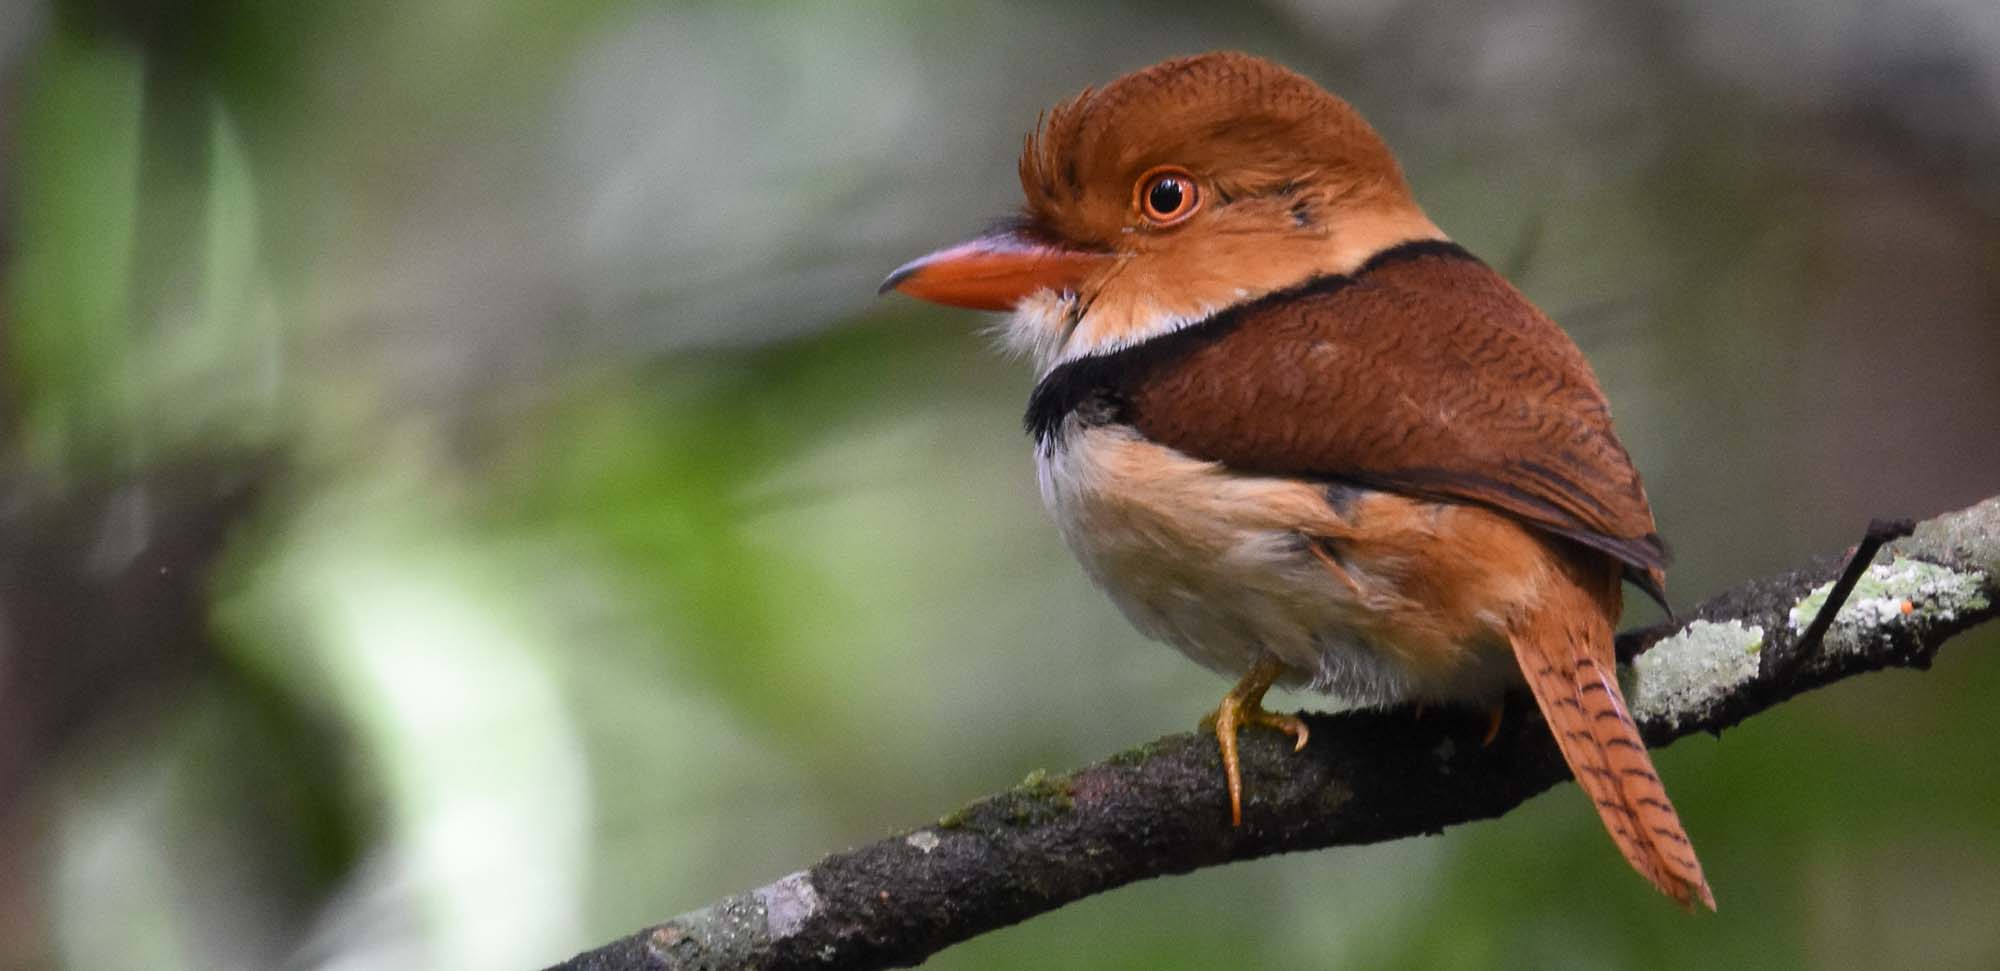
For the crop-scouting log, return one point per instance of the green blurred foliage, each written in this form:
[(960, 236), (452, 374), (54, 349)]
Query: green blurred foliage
[(624, 553)]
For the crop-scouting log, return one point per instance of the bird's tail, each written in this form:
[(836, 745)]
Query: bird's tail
[(1565, 651)]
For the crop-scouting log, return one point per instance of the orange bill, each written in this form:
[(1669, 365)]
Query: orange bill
[(993, 272)]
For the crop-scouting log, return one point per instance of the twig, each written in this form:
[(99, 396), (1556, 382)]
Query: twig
[(1367, 776), (1880, 531)]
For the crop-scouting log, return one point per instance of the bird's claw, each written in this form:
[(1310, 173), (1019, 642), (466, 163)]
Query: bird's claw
[(1243, 706)]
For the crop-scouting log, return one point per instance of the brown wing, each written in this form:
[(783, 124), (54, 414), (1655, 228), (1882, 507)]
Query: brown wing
[(1424, 373)]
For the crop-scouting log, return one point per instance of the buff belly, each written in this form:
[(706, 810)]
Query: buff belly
[(1223, 567)]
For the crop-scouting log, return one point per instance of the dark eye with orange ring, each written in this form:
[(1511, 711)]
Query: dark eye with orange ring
[(1167, 196)]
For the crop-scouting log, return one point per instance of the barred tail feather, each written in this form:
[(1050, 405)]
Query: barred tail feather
[(1565, 652)]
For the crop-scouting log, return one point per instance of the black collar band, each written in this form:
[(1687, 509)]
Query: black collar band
[(1098, 384)]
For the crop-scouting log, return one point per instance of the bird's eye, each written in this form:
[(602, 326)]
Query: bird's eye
[(1167, 196)]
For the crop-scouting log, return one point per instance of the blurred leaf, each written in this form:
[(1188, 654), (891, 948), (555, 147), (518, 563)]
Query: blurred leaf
[(215, 352), (391, 620), (70, 285)]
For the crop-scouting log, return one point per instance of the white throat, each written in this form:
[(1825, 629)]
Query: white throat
[(1050, 329)]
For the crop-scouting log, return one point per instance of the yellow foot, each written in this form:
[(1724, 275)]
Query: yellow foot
[(1243, 705)]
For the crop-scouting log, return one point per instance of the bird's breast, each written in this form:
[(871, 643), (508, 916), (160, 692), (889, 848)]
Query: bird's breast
[(1226, 566)]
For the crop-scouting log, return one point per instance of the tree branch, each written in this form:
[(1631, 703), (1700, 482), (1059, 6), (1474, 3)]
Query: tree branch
[(1368, 776)]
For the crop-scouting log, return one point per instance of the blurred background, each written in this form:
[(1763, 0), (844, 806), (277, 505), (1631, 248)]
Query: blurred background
[(461, 499)]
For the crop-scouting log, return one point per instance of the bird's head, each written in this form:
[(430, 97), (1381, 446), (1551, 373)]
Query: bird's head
[(1171, 194)]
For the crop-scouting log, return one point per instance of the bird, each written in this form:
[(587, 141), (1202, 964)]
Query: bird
[(1297, 433)]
